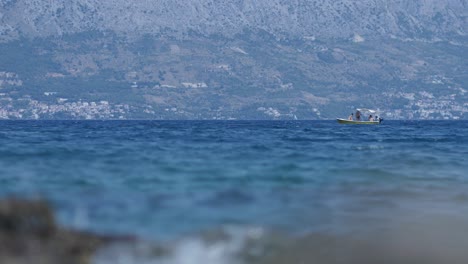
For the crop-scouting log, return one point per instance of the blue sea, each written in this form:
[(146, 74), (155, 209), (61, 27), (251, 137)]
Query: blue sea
[(173, 183)]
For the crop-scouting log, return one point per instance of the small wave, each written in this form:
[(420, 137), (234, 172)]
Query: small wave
[(224, 246), (229, 197), (370, 147)]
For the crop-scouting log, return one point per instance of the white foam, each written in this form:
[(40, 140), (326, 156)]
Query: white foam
[(192, 250)]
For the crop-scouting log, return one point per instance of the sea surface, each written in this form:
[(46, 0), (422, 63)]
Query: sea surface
[(290, 183)]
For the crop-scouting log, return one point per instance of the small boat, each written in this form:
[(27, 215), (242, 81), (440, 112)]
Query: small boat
[(372, 119), (346, 121)]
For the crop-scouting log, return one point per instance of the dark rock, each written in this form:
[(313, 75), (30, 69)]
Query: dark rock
[(21, 217), (29, 234)]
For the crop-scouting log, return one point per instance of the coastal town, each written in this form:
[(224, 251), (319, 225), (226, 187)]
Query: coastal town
[(62, 109), (420, 106), (17, 103)]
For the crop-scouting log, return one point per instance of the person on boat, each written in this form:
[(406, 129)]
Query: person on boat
[(371, 118), (358, 115), (351, 117)]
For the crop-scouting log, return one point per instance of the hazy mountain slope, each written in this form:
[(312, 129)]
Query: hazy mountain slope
[(321, 18), (221, 59)]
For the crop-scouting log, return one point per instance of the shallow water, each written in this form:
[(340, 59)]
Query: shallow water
[(168, 180)]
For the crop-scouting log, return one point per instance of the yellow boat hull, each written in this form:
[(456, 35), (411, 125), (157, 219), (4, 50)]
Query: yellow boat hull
[(353, 122)]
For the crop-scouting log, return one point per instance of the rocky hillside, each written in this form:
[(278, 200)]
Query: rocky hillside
[(205, 59), (320, 18)]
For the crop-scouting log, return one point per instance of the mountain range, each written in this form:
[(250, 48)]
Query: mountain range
[(238, 59)]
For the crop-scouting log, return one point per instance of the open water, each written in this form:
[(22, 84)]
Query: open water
[(288, 185)]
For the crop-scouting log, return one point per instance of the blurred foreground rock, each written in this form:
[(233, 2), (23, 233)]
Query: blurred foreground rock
[(29, 234)]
